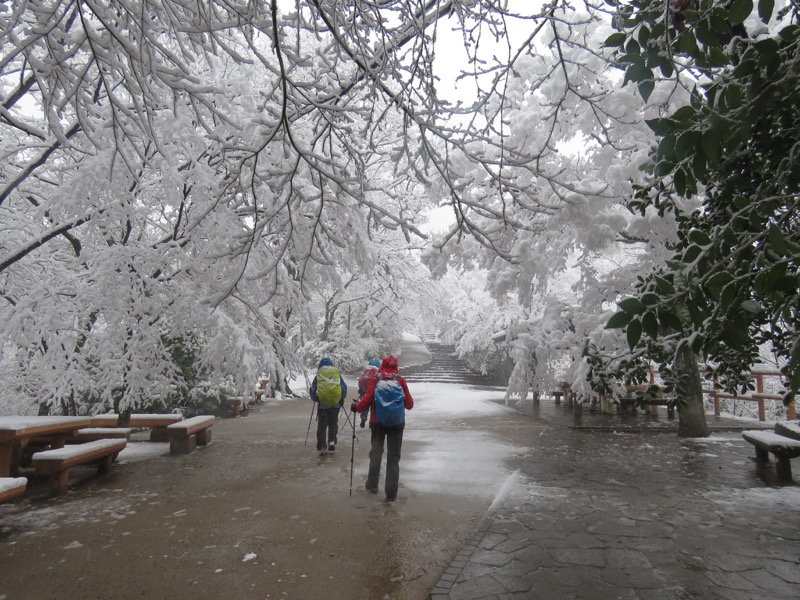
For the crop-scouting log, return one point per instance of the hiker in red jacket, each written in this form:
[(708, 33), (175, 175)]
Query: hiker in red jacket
[(388, 395), (366, 376)]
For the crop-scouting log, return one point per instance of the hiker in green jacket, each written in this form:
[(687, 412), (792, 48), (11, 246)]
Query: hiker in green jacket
[(329, 390)]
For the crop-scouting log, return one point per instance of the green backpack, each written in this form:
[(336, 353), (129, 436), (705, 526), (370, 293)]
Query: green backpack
[(329, 388)]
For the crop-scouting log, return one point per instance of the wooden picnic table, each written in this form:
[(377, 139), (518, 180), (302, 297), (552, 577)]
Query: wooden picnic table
[(15, 432)]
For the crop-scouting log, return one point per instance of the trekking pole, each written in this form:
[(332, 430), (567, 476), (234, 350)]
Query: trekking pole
[(313, 406), (347, 416), (352, 452)]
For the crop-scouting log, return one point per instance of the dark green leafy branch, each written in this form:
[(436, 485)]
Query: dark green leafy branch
[(733, 283)]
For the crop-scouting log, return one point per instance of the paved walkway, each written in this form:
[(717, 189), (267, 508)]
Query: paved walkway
[(606, 507)]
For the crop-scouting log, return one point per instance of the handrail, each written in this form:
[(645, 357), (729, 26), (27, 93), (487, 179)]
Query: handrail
[(758, 395)]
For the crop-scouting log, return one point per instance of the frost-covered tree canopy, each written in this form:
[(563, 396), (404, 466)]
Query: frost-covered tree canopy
[(191, 172), (194, 193)]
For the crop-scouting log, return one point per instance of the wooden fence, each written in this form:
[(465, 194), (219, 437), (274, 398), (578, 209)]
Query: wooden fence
[(760, 396)]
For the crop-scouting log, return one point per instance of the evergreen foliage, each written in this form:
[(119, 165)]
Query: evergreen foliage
[(732, 284)]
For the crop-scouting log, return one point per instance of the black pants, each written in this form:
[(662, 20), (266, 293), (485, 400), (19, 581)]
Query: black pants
[(327, 427), (394, 443)]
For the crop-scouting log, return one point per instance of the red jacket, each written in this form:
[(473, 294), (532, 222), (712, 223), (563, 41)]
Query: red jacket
[(388, 369), (366, 376)]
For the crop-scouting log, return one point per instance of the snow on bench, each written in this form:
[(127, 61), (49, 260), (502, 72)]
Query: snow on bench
[(186, 435), (11, 487), (57, 463), (157, 423), (90, 434), (784, 449)]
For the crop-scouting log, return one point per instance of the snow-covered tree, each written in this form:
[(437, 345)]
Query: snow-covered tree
[(226, 178), (176, 171), (191, 171), (569, 162), (731, 286)]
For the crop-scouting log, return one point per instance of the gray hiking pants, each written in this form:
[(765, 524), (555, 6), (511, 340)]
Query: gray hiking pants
[(394, 443)]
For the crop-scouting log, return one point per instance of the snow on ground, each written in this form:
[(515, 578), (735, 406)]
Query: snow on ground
[(768, 499), (445, 399), (414, 352), (138, 451), (117, 504)]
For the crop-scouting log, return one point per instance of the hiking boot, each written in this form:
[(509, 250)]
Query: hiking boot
[(391, 498), (371, 490), (332, 447)]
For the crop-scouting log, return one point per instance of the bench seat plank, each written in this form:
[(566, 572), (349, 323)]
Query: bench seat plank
[(57, 463), (105, 420), (193, 425), (11, 487), (143, 420), (90, 434), (190, 433), (154, 420), (87, 434), (157, 423), (773, 442)]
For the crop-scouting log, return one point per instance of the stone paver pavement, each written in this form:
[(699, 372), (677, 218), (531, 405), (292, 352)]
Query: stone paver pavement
[(623, 509)]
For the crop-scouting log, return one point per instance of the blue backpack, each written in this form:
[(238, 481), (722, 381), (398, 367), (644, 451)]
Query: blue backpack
[(390, 402)]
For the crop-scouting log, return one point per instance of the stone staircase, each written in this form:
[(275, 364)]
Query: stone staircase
[(445, 367)]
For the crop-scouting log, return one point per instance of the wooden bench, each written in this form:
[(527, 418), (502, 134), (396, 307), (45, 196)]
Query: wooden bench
[(261, 390), (157, 423), (564, 391), (57, 463), (235, 406), (633, 403), (88, 434), (185, 436), (11, 487), (784, 449)]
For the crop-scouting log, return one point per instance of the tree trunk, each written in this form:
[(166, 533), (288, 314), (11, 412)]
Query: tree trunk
[(691, 412)]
